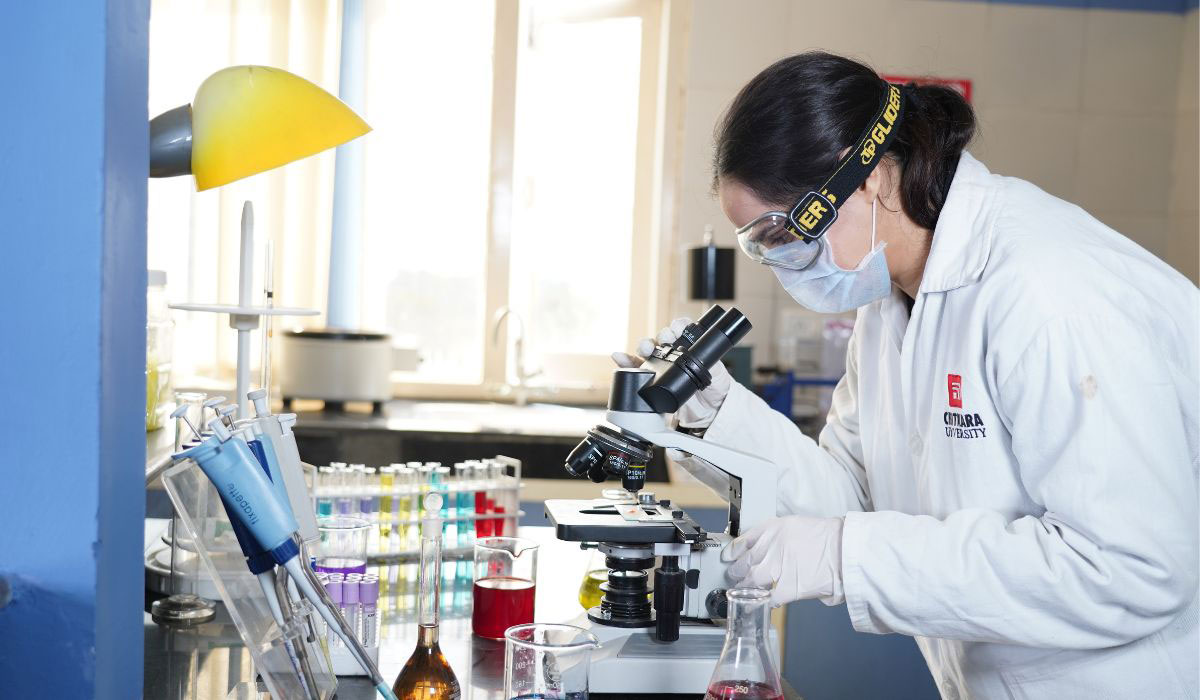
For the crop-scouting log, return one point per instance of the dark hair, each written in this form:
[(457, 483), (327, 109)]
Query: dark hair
[(786, 129)]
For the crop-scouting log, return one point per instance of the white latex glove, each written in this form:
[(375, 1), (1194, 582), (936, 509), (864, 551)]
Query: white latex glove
[(700, 410), (795, 556)]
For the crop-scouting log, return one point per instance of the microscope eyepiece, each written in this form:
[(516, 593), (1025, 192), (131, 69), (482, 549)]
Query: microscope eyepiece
[(668, 378), (683, 369)]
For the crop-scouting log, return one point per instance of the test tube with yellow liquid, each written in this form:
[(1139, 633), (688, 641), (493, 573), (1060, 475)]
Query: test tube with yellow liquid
[(387, 481)]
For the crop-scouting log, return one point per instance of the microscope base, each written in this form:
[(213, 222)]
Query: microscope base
[(632, 661)]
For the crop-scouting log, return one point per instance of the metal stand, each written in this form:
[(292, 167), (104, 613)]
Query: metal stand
[(242, 316)]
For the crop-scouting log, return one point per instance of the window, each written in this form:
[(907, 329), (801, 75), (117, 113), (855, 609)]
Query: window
[(513, 164), (529, 193), (429, 99), (575, 167)]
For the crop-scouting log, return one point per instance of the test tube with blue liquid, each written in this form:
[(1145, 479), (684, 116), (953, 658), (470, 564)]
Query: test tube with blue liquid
[(325, 477), (465, 499), (442, 477)]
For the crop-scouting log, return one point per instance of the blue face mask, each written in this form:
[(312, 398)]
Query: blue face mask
[(826, 288)]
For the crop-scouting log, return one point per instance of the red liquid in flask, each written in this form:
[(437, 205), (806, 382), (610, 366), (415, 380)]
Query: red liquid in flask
[(742, 690), (500, 603)]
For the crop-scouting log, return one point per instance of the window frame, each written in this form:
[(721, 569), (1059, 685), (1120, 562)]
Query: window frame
[(656, 188)]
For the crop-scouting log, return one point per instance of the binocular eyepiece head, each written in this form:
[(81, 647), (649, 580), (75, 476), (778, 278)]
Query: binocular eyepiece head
[(685, 367), (669, 377)]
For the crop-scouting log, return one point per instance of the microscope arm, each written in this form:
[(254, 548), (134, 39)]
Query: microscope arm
[(754, 475)]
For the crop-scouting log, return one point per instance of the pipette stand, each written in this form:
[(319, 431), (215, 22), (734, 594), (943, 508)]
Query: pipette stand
[(243, 317), (206, 527)]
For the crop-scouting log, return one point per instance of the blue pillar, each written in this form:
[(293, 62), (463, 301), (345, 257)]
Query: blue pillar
[(73, 168)]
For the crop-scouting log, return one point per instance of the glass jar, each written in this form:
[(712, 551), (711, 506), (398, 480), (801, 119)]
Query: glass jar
[(160, 331)]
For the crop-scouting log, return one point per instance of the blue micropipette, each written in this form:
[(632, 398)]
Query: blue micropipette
[(249, 497)]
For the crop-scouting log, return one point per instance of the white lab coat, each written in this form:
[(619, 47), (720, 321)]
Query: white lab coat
[(1040, 540)]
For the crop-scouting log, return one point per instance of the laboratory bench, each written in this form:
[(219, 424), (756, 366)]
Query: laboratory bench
[(208, 661)]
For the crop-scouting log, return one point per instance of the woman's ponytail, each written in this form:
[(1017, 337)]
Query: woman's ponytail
[(938, 125)]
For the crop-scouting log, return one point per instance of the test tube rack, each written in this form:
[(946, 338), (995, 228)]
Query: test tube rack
[(505, 490)]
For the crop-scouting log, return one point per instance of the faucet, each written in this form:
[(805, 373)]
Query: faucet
[(520, 392)]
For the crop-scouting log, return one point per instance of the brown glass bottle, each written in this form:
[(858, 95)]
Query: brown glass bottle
[(427, 675)]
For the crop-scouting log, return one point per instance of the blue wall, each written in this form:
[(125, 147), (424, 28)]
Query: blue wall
[(73, 168)]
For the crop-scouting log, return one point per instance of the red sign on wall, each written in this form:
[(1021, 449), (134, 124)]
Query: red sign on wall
[(962, 85)]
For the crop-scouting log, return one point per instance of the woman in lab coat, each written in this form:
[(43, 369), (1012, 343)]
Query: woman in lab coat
[(1009, 468)]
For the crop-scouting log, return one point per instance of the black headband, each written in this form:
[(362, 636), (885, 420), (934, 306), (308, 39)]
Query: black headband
[(814, 213)]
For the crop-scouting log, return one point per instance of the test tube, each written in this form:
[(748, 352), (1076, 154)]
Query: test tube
[(497, 499), (483, 526), (466, 507), (325, 477), (368, 504), (387, 480), (369, 494), (442, 478), (334, 587), (354, 487), (368, 595), (341, 486), (402, 507), (424, 476), (442, 482), (351, 604)]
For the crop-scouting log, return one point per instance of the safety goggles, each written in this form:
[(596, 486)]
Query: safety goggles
[(793, 240)]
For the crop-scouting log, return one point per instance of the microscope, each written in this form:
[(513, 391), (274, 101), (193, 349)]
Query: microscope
[(670, 645)]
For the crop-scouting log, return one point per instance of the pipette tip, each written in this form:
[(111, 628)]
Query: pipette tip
[(385, 691)]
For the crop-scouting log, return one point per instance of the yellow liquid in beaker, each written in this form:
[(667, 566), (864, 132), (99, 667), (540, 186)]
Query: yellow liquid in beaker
[(589, 590)]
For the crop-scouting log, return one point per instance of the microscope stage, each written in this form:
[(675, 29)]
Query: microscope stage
[(601, 521)]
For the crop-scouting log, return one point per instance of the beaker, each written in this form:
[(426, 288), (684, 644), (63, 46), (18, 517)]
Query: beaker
[(746, 670), (343, 545), (547, 662), (503, 594)]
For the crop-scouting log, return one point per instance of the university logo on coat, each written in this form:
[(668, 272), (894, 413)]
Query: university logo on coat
[(954, 387)]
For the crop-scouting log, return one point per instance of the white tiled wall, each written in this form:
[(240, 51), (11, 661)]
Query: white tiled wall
[(1095, 106)]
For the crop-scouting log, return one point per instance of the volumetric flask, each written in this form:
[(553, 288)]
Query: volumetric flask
[(547, 662), (505, 572), (746, 670)]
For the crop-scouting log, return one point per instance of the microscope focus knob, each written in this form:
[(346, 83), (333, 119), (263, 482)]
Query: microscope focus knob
[(717, 604)]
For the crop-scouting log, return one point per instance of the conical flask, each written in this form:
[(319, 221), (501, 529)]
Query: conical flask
[(746, 669)]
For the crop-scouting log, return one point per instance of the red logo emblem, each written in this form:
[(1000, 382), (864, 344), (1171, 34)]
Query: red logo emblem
[(954, 386)]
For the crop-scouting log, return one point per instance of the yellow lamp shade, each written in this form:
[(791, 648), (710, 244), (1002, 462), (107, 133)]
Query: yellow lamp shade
[(248, 119)]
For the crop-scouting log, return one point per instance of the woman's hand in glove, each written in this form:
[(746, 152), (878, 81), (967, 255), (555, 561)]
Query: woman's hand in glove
[(700, 410), (796, 557)]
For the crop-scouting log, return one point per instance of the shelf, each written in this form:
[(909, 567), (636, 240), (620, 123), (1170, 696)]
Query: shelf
[(245, 310)]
